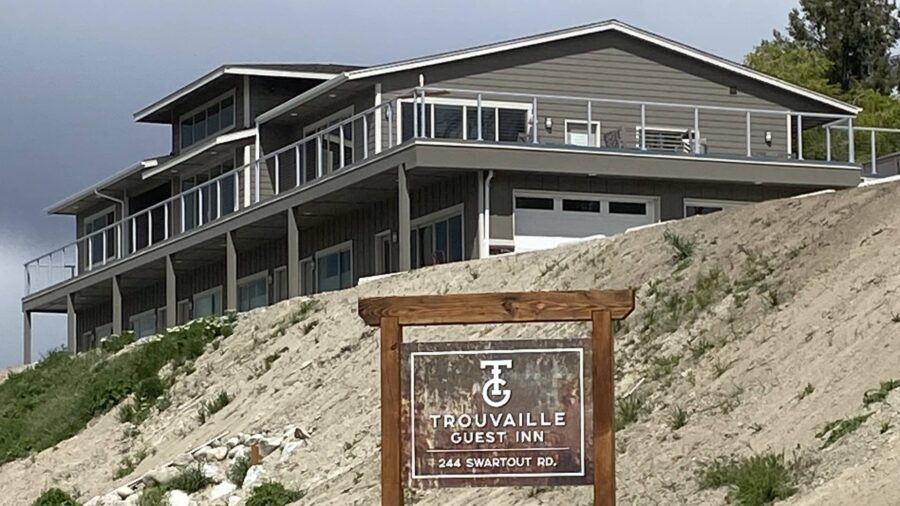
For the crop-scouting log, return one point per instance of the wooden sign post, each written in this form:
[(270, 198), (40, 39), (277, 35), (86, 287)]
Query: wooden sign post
[(600, 307)]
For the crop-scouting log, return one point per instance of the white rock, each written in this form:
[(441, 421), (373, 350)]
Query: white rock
[(211, 454), (269, 445), (254, 475), (133, 500), (232, 442), (93, 502), (124, 491), (221, 490), (291, 448), (178, 498), (183, 460), (160, 476), (111, 499), (234, 500), (244, 438), (238, 451), (213, 472)]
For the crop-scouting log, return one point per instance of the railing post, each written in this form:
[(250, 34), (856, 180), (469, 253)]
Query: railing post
[(341, 145), (90, 239), (365, 135), (105, 246), (415, 115), (319, 164), (696, 131), (424, 116), (201, 210), (643, 137), (534, 120), (218, 198), (297, 165), (590, 126), (790, 141), (478, 107), (134, 234), (256, 183), (149, 227), (390, 118), (749, 148), (851, 142), (166, 221), (800, 137), (277, 181), (872, 151), (183, 215), (828, 143), (237, 191)]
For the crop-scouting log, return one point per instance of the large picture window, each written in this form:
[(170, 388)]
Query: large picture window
[(208, 303), (203, 208), (253, 291), (100, 246), (437, 238), (459, 120), (144, 324), (334, 268), (206, 121)]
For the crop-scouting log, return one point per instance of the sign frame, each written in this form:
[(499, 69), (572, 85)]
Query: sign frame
[(600, 307)]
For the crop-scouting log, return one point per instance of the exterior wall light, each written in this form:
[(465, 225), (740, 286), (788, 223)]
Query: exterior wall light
[(768, 138), (548, 124)]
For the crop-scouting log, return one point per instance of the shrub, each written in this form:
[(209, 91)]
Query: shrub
[(238, 470), (753, 481), (682, 247), (678, 418), (190, 480), (55, 399), (880, 394), (114, 344), (55, 497), (273, 494), (153, 496), (629, 409), (209, 408), (836, 429)]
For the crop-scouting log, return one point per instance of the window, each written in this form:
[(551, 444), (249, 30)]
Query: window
[(183, 312), (161, 320), (207, 303), (437, 238), (582, 206), (666, 139), (101, 246), (694, 207), (280, 284), (383, 253), (253, 291), (577, 134), (208, 196), (334, 268), (144, 324), (307, 276), (458, 119), (331, 144), (534, 203), (103, 331), (207, 121), (638, 208)]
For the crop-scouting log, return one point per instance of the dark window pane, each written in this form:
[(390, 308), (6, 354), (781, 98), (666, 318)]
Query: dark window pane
[(512, 123), (440, 242), (488, 129), (227, 113), (456, 239), (627, 208), (534, 203), (199, 126), (696, 210), (427, 245), (414, 249), (448, 121), (212, 119), (187, 133), (409, 122), (583, 206)]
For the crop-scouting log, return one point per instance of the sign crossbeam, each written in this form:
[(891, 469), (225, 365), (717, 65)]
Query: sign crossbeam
[(600, 307)]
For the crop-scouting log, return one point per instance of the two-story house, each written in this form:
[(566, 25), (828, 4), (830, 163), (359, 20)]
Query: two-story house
[(295, 179)]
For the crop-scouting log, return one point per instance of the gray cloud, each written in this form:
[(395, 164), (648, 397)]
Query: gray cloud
[(72, 73)]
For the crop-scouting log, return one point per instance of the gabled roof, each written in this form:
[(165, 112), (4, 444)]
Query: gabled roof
[(73, 203), (533, 40), (318, 71)]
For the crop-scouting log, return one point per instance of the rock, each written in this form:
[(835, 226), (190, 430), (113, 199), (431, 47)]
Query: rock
[(178, 498), (290, 448), (254, 475), (111, 499), (160, 476), (234, 500), (244, 438), (183, 460), (209, 454), (232, 442), (269, 445), (133, 500), (237, 451), (124, 492), (213, 472), (93, 502), (222, 490)]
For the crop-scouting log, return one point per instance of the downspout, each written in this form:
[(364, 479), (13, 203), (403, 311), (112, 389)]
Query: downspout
[(487, 213)]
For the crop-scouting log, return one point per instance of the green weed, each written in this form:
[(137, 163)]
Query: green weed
[(880, 394), (630, 409), (752, 481), (836, 429), (211, 407), (682, 247), (238, 470), (55, 497), (678, 417), (273, 494)]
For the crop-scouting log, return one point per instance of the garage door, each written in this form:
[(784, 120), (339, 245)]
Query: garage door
[(546, 220)]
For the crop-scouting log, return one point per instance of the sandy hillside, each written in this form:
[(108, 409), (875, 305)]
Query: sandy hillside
[(793, 295)]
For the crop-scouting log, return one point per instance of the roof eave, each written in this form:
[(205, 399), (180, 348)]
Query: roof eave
[(302, 98), (61, 206)]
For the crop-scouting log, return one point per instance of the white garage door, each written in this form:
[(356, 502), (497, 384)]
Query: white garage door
[(545, 220)]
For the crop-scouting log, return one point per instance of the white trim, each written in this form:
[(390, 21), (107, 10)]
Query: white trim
[(379, 115), (465, 103), (196, 149), (219, 72), (379, 259), (597, 136), (89, 191), (203, 107), (559, 196), (722, 204), (439, 215), (217, 288), (87, 219), (603, 26)]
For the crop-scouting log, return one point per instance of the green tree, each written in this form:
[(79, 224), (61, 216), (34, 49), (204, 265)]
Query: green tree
[(856, 35)]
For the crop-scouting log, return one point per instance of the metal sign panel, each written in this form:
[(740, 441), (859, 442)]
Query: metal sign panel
[(497, 413)]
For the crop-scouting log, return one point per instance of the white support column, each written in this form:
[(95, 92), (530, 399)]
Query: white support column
[(248, 157), (379, 114), (71, 324), (403, 228), (873, 156), (293, 251), (171, 293), (116, 307), (230, 273), (482, 242), (26, 337)]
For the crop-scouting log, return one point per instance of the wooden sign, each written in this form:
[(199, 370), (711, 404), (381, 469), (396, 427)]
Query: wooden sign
[(496, 413), (494, 389)]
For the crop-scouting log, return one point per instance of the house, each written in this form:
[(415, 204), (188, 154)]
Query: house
[(295, 179)]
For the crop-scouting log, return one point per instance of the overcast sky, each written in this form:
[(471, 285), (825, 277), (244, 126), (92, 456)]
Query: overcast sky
[(72, 74)]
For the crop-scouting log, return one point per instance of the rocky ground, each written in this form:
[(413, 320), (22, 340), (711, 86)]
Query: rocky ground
[(781, 318)]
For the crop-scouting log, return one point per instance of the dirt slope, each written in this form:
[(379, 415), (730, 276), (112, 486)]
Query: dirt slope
[(776, 297)]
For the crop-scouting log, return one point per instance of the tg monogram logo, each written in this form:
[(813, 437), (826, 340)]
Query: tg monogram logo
[(493, 394)]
